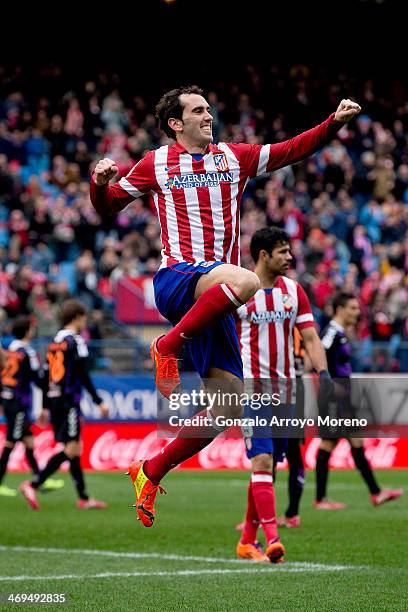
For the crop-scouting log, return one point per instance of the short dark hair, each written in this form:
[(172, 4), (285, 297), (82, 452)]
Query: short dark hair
[(169, 105), (267, 239), (70, 310), (20, 327), (340, 300)]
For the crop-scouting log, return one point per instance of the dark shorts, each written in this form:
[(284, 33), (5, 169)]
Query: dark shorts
[(218, 345), (262, 437), (18, 423), (66, 423), (258, 446)]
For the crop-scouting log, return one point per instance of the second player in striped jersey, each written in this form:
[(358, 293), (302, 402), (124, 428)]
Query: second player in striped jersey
[(266, 327)]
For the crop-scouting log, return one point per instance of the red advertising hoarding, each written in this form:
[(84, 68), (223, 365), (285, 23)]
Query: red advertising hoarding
[(112, 446)]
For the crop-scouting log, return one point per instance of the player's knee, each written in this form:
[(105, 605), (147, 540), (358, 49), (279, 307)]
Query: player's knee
[(227, 389), (356, 442), (72, 450), (262, 463), (29, 442), (246, 284), (328, 445)]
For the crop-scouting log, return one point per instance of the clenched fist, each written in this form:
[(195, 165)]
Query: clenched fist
[(347, 110), (104, 171)]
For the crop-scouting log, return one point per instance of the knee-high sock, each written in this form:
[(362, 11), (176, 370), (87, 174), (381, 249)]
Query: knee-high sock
[(78, 477), (179, 449), (365, 469), (212, 305), (4, 461), (322, 473), (32, 461), (51, 467), (251, 519), (296, 478), (264, 497)]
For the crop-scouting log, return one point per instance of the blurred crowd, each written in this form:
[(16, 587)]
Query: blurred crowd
[(346, 208)]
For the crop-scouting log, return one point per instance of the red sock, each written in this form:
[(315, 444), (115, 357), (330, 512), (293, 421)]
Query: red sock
[(178, 450), (251, 519), (212, 305), (264, 496)]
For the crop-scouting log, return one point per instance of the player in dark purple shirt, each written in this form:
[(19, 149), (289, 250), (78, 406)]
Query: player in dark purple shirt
[(21, 369), (346, 312), (67, 376)]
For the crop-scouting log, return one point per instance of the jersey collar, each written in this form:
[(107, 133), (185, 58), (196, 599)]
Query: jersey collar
[(211, 148)]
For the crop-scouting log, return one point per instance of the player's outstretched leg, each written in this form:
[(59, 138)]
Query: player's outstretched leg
[(146, 476), (145, 492)]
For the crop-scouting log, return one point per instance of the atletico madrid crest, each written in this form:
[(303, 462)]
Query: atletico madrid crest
[(287, 301), (221, 162)]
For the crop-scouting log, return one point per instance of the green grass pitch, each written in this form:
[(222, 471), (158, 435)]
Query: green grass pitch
[(355, 559)]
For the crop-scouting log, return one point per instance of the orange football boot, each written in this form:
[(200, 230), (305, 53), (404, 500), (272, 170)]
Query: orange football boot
[(250, 551), (275, 552), (145, 491), (167, 376)]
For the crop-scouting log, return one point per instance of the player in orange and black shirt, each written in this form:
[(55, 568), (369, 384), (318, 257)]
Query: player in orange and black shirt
[(67, 376), (20, 370)]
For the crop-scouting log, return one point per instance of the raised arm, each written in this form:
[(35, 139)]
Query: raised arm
[(110, 199), (258, 159), (305, 144)]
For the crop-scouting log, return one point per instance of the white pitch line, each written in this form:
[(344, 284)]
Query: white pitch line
[(291, 567), (167, 557), (285, 569)]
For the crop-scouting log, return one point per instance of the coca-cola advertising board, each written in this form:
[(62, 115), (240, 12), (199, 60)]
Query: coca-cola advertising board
[(112, 446)]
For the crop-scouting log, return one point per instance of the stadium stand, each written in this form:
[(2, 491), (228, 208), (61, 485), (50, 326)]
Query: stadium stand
[(346, 208)]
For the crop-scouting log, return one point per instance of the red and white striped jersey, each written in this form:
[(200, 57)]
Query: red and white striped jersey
[(197, 202), (265, 326)]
